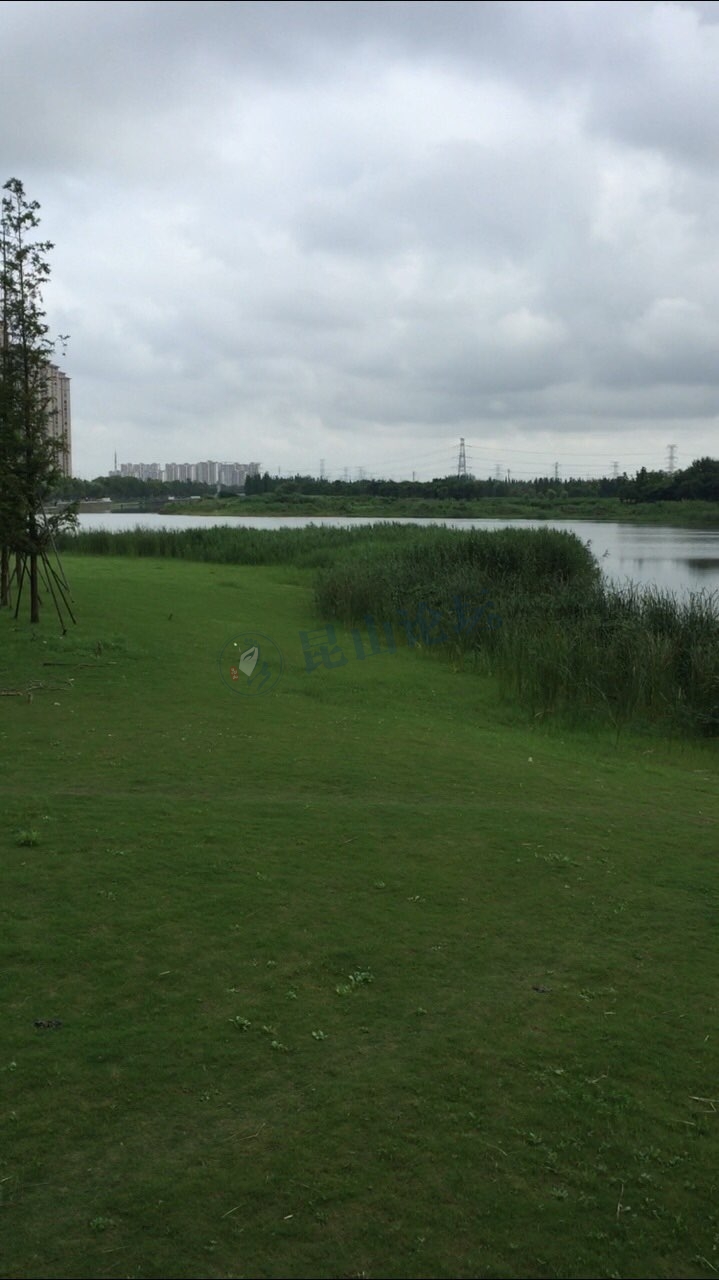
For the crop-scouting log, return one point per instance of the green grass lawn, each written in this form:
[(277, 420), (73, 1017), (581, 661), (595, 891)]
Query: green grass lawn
[(361, 977)]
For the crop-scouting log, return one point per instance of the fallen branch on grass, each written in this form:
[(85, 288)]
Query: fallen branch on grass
[(21, 693), (79, 664)]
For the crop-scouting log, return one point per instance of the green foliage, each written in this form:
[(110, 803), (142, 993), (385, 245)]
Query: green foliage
[(310, 547), (27, 839), (700, 481), (622, 655), (532, 505), (599, 498), (569, 644), (127, 489), (29, 452), (436, 565)]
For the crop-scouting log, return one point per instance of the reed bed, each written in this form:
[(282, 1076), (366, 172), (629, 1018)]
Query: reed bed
[(532, 608), (309, 547), (528, 606)]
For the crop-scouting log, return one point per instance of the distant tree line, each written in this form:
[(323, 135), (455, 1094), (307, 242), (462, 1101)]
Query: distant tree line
[(698, 481), (127, 489)]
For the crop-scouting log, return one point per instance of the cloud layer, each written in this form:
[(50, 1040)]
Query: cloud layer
[(356, 232)]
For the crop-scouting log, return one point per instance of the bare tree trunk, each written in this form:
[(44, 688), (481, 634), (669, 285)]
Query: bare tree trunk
[(19, 576), (4, 577), (34, 591)]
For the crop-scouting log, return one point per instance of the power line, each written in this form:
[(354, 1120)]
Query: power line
[(472, 459)]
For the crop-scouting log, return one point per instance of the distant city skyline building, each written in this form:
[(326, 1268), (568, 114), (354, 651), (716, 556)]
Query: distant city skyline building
[(230, 475)]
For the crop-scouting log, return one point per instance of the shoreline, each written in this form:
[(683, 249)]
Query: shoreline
[(693, 515)]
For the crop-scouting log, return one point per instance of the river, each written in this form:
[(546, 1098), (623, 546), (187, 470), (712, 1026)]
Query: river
[(678, 560)]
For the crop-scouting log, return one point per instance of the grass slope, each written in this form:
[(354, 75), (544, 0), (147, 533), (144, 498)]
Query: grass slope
[(363, 977)]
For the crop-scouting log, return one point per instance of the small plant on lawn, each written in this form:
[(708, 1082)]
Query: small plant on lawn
[(357, 979), (27, 839), (361, 976)]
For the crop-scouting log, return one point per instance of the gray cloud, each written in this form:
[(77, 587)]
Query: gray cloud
[(356, 231)]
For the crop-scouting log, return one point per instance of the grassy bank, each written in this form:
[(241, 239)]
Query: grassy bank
[(363, 977), (560, 641), (704, 515)]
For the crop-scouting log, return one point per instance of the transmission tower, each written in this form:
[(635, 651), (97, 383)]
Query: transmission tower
[(462, 462), (556, 471), (671, 459), (615, 470), (322, 469)]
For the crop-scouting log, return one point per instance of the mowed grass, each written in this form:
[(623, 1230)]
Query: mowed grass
[(361, 977)]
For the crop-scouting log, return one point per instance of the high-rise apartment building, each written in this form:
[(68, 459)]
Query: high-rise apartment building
[(56, 400), (58, 419), (230, 475), (141, 470)]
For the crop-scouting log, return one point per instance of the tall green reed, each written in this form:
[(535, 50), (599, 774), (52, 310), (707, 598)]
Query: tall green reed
[(559, 638)]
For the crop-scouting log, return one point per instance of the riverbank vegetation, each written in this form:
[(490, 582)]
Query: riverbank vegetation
[(696, 514), (368, 976), (535, 612), (683, 498), (698, 482), (307, 547)]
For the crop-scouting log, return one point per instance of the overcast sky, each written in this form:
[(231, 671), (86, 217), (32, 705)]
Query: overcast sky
[(288, 232)]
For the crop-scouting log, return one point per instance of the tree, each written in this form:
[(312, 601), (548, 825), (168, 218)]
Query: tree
[(700, 480), (29, 449)]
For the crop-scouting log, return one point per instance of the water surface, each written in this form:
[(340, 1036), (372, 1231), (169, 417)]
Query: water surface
[(679, 560)]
